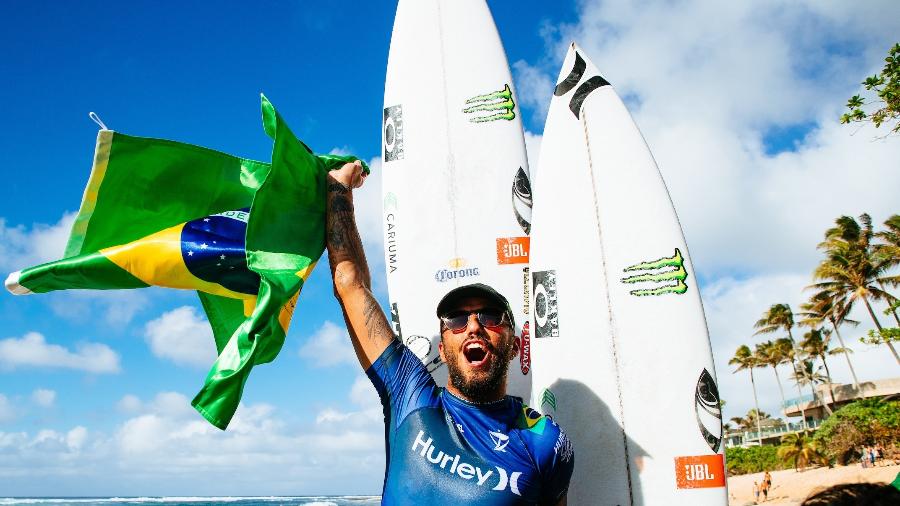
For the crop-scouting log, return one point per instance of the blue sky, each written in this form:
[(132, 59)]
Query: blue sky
[(740, 114)]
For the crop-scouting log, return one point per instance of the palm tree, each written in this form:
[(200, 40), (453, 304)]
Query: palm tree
[(850, 271), (751, 419), (785, 348), (808, 374), (815, 346), (821, 307), (888, 251), (800, 450), (778, 317), (744, 359), (768, 353)]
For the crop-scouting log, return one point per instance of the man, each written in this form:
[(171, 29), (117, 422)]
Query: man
[(468, 442)]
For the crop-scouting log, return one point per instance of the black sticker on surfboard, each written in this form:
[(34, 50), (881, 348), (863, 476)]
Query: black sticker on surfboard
[(521, 199), (708, 410), (586, 88), (395, 320), (392, 132), (546, 306)]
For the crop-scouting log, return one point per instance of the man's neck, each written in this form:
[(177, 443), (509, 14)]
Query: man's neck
[(492, 397)]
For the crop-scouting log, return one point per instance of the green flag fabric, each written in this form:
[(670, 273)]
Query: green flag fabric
[(245, 234)]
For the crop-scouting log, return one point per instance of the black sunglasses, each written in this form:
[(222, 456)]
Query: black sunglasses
[(457, 321)]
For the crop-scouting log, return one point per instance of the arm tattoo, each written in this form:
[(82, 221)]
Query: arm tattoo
[(342, 236), (376, 323)]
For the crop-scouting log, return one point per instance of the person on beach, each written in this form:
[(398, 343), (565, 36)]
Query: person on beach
[(755, 493), (465, 443), (768, 479), (872, 456), (764, 488)]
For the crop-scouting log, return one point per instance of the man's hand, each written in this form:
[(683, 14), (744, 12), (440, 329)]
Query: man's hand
[(352, 282), (351, 175)]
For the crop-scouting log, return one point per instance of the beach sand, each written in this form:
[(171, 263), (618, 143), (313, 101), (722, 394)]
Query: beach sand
[(790, 488)]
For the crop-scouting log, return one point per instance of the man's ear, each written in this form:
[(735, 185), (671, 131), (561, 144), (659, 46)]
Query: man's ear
[(441, 350), (516, 345)]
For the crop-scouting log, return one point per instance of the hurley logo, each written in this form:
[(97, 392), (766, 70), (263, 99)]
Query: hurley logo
[(464, 470)]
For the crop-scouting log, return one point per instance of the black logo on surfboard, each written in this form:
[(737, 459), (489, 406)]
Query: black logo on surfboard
[(586, 88), (708, 410), (392, 132), (395, 320), (521, 199), (546, 305)]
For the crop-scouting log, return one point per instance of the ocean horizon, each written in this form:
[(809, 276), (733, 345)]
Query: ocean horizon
[(311, 500)]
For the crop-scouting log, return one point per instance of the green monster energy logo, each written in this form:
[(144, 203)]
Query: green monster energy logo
[(678, 275), (548, 398), (500, 101)]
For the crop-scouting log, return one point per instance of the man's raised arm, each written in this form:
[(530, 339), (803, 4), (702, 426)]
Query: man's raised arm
[(366, 323)]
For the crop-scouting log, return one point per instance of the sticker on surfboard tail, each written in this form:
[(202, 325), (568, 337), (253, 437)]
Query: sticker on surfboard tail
[(492, 106), (546, 317), (667, 273), (392, 129), (586, 88), (708, 410), (702, 471)]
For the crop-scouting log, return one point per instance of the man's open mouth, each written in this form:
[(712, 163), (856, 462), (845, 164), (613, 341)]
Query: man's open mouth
[(476, 353)]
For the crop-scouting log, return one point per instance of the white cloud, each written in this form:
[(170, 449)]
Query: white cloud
[(7, 412), (182, 336), (533, 88), (329, 346), (166, 442), (129, 404), (117, 306), (21, 247), (43, 397), (32, 350)]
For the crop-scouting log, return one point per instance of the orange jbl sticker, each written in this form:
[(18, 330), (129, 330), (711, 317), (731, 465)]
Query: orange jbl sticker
[(703, 471), (512, 250)]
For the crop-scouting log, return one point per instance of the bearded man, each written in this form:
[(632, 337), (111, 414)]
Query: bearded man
[(465, 443)]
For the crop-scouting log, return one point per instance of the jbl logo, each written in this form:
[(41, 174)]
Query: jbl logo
[(704, 471), (512, 250)]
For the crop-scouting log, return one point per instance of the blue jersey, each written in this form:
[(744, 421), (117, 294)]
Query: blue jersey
[(444, 450)]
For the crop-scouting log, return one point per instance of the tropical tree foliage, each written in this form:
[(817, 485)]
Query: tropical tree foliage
[(861, 423), (886, 87), (822, 307), (851, 272), (800, 450), (816, 347), (752, 420), (753, 459), (744, 359)]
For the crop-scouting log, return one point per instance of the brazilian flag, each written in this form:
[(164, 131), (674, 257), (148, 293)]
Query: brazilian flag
[(244, 234)]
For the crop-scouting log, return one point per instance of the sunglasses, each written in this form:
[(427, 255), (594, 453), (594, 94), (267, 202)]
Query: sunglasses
[(489, 318)]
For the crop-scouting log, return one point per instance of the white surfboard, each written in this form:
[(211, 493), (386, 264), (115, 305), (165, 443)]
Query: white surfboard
[(457, 199), (621, 353)]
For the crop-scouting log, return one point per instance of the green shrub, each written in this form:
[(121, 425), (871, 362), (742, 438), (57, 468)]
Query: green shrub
[(861, 423), (754, 459)]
